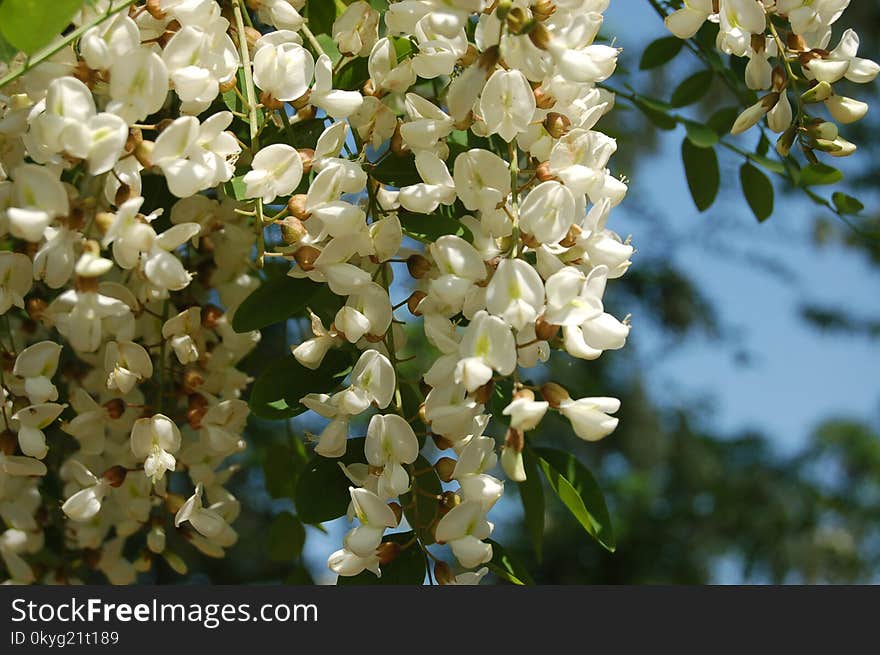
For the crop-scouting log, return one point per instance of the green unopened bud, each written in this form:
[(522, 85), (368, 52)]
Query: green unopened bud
[(844, 148), (823, 130)]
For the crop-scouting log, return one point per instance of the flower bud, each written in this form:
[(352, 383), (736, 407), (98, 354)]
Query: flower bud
[(412, 303), (36, 308), (307, 155), (818, 93), (115, 408), (543, 100), (823, 130), (557, 125), (156, 539), (387, 552), (752, 116), (297, 206), (512, 464), (843, 148), (553, 393), (211, 315), (8, 442), (196, 410), (418, 266), (115, 475), (292, 230), (484, 394), (192, 380), (544, 330), (444, 467), (543, 172), (443, 574), (306, 257), (540, 36)]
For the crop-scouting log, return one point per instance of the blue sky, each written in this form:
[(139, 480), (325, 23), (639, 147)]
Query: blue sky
[(795, 376)]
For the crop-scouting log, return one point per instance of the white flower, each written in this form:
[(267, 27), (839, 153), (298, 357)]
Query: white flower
[(548, 212), (372, 381), (515, 293), (276, 170), (390, 443), (487, 345), (463, 528), (507, 104), (37, 365), (155, 440), (194, 157), (590, 416), (284, 70), (386, 72), (85, 503), (138, 84), (374, 517), (336, 103), (438, 187), (184, 333), (482, 180), (126, 364), (356, 30), (38, 197), (525, 413), (206, 521), (16, 278), (688, 20), (33, 420)]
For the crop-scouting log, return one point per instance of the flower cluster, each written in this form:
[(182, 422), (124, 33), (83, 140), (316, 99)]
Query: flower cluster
[(119, 315), (797, 36), (119, 359), (526, 278)]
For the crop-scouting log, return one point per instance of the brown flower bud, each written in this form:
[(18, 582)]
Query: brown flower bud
[(270, 102), (540, 36), (444, 467), (484, 394), (302, 102), (412, 303), (8, 442), (144, 153), (388, 552), (543, 99), (197, 407), (307, 155), (297, 206), (443, 574), (524, 394), (571, 238), (543, 172), (544, 330), (306, 257), (292, 230), (515, 439), (115, 408), (115, 475), (123, 193), (397, 145), (557, 125), (154, 8), (554, 393), (36, 308), (418, 266), (543, 9), (211, 315), (192, 380)]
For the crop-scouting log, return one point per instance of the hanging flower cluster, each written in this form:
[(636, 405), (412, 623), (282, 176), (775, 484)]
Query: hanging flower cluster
[(119, 359), (797, 36), (119, 365)]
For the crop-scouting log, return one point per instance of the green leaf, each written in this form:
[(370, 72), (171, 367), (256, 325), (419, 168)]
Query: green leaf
[(531, 492), (281, 468), (329, 47), (659, 117), (276, 392), (235, 188), (722, 120), (579, 492), (692, 89), (703, 175), (286, 538), (274, 301), (430, 227), (397, 171), (321, 14), (758, 190), (31, 24), (353, 75), (7, 50), (407, 569), (424, 503), (847, 204), (506, 567), (820, 174), (701, 135), (772, 165), (660, 52), (322, 489)]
